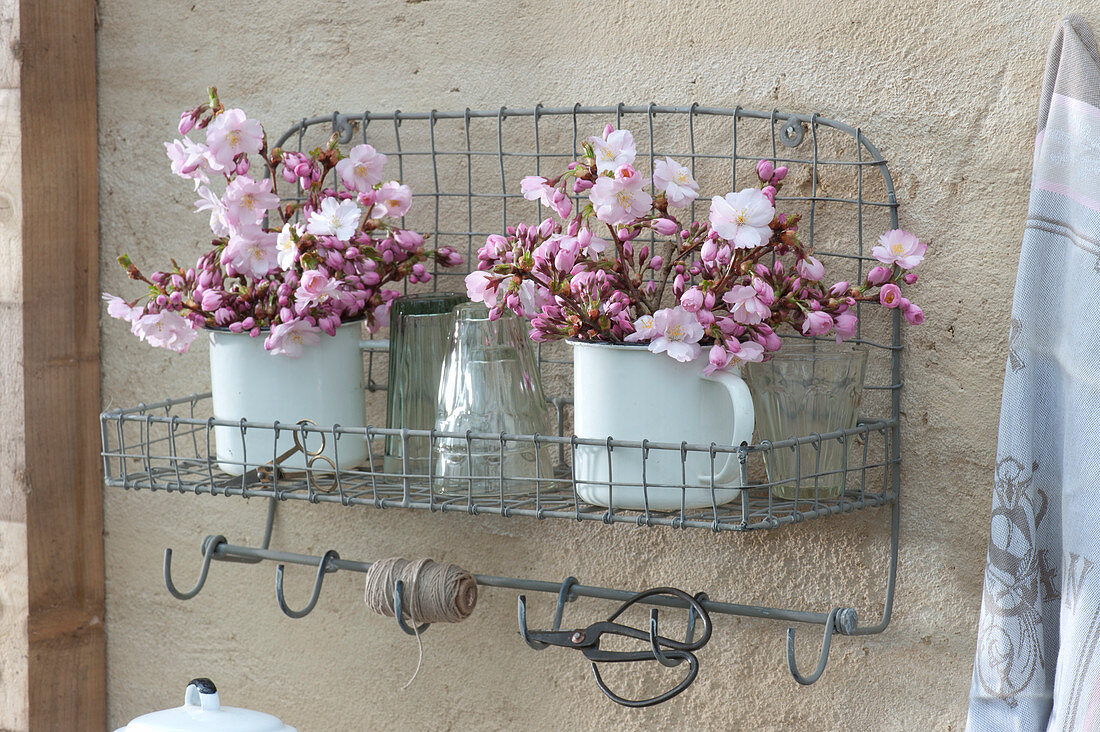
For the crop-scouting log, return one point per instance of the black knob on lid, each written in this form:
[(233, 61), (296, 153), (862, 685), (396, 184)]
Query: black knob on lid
[(204, 685)]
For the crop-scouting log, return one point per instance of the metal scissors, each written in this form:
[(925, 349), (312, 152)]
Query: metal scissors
[(666, 651), (265, 474)]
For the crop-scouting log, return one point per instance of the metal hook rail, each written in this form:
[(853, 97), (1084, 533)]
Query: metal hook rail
[(839, 620)]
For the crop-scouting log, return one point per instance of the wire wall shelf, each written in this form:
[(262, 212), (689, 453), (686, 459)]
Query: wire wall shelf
[(464, 168), (169, 446)]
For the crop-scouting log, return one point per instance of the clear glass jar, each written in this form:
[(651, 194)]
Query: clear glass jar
[(490, 384), (807, 388), (420, 329)]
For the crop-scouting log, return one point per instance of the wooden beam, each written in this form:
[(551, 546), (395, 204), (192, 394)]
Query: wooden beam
[(63, 497)]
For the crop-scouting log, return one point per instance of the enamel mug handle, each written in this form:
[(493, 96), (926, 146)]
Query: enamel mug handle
[(744, 419)]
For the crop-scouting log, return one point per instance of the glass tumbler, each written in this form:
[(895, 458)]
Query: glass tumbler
[(807, 388), (490, 384), (420, 330)]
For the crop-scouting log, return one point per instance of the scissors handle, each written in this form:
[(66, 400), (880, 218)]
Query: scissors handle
[(299, 439), (693, 672)]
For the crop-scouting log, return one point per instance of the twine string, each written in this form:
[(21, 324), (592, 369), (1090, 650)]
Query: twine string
[(433, 593)]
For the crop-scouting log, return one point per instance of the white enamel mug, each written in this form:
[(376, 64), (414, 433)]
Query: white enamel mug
[(324, 384), (628, 393)]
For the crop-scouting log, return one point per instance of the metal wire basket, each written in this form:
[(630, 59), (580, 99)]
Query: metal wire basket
[(466, 167)]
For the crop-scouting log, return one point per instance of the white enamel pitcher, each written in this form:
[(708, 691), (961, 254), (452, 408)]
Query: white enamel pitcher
[(628, 393)]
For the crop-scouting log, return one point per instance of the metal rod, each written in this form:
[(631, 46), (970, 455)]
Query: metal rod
[(229, 552)]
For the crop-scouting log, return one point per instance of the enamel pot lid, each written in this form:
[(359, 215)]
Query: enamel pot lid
[(202, 710)]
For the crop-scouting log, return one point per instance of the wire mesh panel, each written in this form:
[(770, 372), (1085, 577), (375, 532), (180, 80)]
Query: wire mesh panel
[(465, 169)]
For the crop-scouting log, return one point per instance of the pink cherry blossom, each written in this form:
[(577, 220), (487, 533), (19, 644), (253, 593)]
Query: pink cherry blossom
[(615, 149), (253, 252), (247, 200), (622, 198), (119, 308), (749, 352), (220, 222), (676, 181), (315, 288), (361, 170), (288, 339), (482, 287), (679, 334), (747, 306), (743, 218), (188, 160), (817, 323), (899, 247), (393, 200), (165, 329), (535, 188), (286, 245), (732, 355), (229, 135), (644, 329), (336, 218)]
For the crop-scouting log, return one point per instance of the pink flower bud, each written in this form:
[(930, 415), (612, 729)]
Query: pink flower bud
[(913, 314), (810, 268), (780, 174), (717, 356), (187, 122), (889, 295), (580, 186), (817, 323), (608, 130), (678, 285), (692, 300), (840, 288), (665, 227), (879, 275), (769, 193), (211, 300), (709, 252), (656, 263), (764, 169), (910, 277)]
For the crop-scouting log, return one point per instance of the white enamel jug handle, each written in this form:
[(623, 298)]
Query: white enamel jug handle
[(744, 419)]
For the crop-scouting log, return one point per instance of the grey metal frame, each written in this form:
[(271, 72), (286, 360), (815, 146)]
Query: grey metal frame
[(167, 445)]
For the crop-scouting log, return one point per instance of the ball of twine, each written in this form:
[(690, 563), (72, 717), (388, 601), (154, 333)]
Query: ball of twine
[(432, 593)]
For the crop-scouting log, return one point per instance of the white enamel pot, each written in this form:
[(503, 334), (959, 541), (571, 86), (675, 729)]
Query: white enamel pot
[(202, 710), (630, 394), (324, 384)]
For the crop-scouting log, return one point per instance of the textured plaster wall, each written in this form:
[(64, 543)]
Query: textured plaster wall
[(946, 89)]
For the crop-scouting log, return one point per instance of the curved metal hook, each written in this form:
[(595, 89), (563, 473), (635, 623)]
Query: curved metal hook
[(209, 546), (398, 612), (536, 645), (662, 658), (322, 567), (564, 596), (823, 657)]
